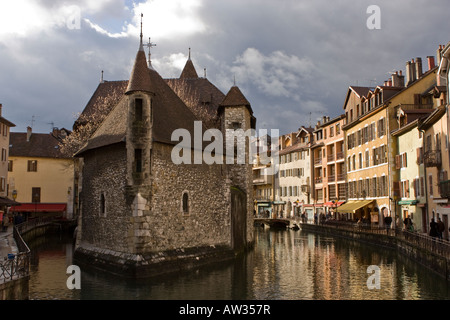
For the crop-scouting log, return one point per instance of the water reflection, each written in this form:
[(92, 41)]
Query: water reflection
[(284, 265)]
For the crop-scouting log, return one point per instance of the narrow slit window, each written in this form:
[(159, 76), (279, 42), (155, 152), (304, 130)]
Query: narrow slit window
[(139, 109), (185, 203), (138, 159), (102, 204)]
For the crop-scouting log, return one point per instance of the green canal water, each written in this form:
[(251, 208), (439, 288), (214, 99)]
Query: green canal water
[(284, 265)]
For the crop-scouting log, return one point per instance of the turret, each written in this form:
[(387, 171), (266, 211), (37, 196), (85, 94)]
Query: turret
[(140, 94)]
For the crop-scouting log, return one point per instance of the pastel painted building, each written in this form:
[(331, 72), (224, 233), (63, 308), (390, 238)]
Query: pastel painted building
[(40, 175)]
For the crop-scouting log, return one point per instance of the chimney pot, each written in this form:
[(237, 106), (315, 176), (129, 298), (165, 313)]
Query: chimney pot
[(438, 55), (29, 131), (418, 66), (431, 64)]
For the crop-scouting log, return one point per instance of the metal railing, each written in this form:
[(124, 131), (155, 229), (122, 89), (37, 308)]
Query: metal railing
[(16, 266), (432, 244)]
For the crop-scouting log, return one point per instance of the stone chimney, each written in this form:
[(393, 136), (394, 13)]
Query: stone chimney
[(431, 64), (419, 71), (398, 80), (439, 54), (410, 72), (29, 131)]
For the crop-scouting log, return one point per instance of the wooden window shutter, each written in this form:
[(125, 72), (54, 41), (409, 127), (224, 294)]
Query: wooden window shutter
[(415, 187), (397, 162), (396, 188), (407, 188)]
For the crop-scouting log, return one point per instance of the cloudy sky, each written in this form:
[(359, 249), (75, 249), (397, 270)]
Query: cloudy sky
[(292, 59)]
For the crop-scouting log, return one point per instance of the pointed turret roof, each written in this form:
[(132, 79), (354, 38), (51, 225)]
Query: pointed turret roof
[(140, 79), (235, 98), (189, 71)]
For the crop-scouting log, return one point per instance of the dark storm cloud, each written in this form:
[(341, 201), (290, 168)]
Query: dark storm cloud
[(294, 60)]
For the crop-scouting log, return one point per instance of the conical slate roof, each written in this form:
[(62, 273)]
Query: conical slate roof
[(169, 111), (189, 71), (140, 79), (235, 98)]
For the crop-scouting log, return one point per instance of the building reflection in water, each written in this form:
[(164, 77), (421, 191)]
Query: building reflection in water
[(284, 265)]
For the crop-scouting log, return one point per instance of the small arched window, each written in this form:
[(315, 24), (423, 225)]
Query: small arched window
[(102, 205), (185, 203)]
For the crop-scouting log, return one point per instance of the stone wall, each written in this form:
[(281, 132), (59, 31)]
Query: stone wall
[(207, 221), (17, 289), (104, 172)]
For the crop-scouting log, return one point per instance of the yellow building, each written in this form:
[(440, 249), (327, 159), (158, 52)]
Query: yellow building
[(40, 177), (371, 115), (436, 160), (5, 127), (410, 184), (440, 129)]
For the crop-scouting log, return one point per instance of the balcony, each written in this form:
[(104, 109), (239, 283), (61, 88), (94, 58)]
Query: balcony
[(262, 198), (445, 188), (432, 158), (339, 156), (341, 176), (318, 180), (318, 161), (262, 180), (332, 178), (330, 157)]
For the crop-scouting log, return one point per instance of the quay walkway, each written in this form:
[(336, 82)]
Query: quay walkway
[(15, 257)]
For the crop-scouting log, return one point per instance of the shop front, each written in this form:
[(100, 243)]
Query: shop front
[(263, 209)]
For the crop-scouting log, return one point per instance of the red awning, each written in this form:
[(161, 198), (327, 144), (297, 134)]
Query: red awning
[(331, 204), (40, 207)]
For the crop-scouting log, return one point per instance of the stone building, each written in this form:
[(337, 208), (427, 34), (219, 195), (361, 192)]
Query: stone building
[(142, 213)]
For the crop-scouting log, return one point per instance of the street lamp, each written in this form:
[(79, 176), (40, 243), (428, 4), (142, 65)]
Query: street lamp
[(14, 194)]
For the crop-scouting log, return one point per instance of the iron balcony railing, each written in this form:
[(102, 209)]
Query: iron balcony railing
[(445, 188), (432, 158)]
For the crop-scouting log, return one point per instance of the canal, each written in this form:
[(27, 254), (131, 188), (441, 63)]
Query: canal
[(284, 265)]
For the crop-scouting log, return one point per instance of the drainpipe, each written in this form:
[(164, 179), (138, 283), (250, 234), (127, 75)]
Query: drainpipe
[(425, 178)]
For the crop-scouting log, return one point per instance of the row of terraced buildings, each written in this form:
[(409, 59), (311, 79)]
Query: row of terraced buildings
[(386, 155)]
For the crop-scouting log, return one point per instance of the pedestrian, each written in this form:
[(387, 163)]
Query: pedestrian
[(408, 223), (433, 228), (440, 228), (388, 221), (5, 223)]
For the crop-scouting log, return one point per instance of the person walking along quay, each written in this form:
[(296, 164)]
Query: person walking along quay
[(440, 228), (433, 228)]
